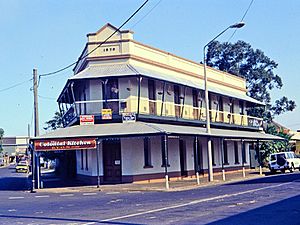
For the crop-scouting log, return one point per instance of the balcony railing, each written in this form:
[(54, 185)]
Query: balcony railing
[(157, 108)]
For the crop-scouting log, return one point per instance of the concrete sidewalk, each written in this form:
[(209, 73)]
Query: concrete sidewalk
[(176, 184)]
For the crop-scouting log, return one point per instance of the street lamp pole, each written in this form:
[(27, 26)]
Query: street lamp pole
[(208, 131)]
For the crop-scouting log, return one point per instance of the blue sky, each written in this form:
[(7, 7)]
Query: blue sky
[(48, 35)]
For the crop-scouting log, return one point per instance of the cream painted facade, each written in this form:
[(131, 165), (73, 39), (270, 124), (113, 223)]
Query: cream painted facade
[(157, 95)]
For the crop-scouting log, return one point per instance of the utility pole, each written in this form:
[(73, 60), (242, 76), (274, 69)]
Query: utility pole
[(35, 171), (36, 108)]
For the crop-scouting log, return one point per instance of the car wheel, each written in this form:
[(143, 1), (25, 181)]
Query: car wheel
[(292, 169), (273, 171), (282, 170)]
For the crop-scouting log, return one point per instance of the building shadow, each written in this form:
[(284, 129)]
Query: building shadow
[(283, 212), (279, 178), (63, 220), (14, 184)]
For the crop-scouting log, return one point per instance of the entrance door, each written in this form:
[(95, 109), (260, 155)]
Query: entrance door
[(182, 154), (199, 160), (112, 161)]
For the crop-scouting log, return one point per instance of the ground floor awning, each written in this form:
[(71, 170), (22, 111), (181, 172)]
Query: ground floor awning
[(118, 130)]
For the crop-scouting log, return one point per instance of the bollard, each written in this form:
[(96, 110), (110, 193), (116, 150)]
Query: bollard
[(244, 172), (260, 170), (223, 175), (167, 182), (198, 179)]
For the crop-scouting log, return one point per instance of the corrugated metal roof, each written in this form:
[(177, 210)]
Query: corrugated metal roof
[(130, 70), (94, 71), (145, 129)]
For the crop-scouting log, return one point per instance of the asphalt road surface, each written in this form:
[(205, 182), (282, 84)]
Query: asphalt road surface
[(269, 200)]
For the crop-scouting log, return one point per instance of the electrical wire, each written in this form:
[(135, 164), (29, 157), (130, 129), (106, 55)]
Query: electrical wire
[(146, 14), (48, 98), (15, 85), (86, 55), (246, 12)]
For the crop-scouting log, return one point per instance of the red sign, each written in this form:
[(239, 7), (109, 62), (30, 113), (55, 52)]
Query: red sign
[(65, 144), (87, 120)]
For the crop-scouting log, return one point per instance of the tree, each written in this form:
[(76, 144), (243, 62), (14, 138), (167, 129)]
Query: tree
[(269, 147), (242, 60), (55, 122), (1, 136)]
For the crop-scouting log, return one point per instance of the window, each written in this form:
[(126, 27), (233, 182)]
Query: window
[(243, 153), (163, 155), (225, 152), (147, 153), (213, 153), (198, 160), (236, 153), (221, 108), (241, 107), (151, 90), (195, 98), (86, 160)]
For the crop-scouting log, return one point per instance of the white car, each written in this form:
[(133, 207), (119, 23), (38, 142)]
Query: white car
[(284, 161)]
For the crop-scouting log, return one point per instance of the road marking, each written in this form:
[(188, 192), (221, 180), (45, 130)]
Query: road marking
[(66, 195), (42, 196), (87, 194), (112, 193), (12, 210), (193, 202), (12, 198)]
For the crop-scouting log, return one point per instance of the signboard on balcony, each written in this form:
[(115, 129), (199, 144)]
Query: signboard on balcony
[(106, 114), (65, 144), (128, 117), (87, 120)]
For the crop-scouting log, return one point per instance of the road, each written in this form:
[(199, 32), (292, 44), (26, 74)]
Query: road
[(268, 200)]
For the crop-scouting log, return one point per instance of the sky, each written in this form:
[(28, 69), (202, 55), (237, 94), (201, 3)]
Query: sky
[(48, 35)]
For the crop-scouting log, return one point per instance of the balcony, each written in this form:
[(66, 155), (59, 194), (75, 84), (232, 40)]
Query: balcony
[(157, 109)]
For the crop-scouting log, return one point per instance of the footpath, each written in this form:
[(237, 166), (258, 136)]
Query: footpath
[(175, 184)]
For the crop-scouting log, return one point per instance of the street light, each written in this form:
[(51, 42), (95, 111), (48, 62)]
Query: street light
[(209, 153)]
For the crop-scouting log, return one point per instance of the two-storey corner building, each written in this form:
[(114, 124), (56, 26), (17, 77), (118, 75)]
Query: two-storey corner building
[(148, 114)]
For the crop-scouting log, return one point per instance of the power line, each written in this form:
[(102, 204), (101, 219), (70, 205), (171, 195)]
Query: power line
[(80, 58), (15, 85), (246, 12), (48, 98), (146, 14)]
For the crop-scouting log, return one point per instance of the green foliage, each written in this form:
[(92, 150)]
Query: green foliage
[(269, 147), (55, 122), (242, 60)]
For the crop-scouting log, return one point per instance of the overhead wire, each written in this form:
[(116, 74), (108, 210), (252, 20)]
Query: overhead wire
[(246, 12), (86, 55), (15, 85), (146, 14)]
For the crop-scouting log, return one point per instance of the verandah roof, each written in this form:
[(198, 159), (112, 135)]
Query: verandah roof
[(147, 129), (117, 70)]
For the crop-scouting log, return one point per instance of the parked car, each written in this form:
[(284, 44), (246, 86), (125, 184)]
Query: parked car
[(284, 161), (22, 166)]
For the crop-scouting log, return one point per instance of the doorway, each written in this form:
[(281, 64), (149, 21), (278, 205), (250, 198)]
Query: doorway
[(182, 157), (112, 161)]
